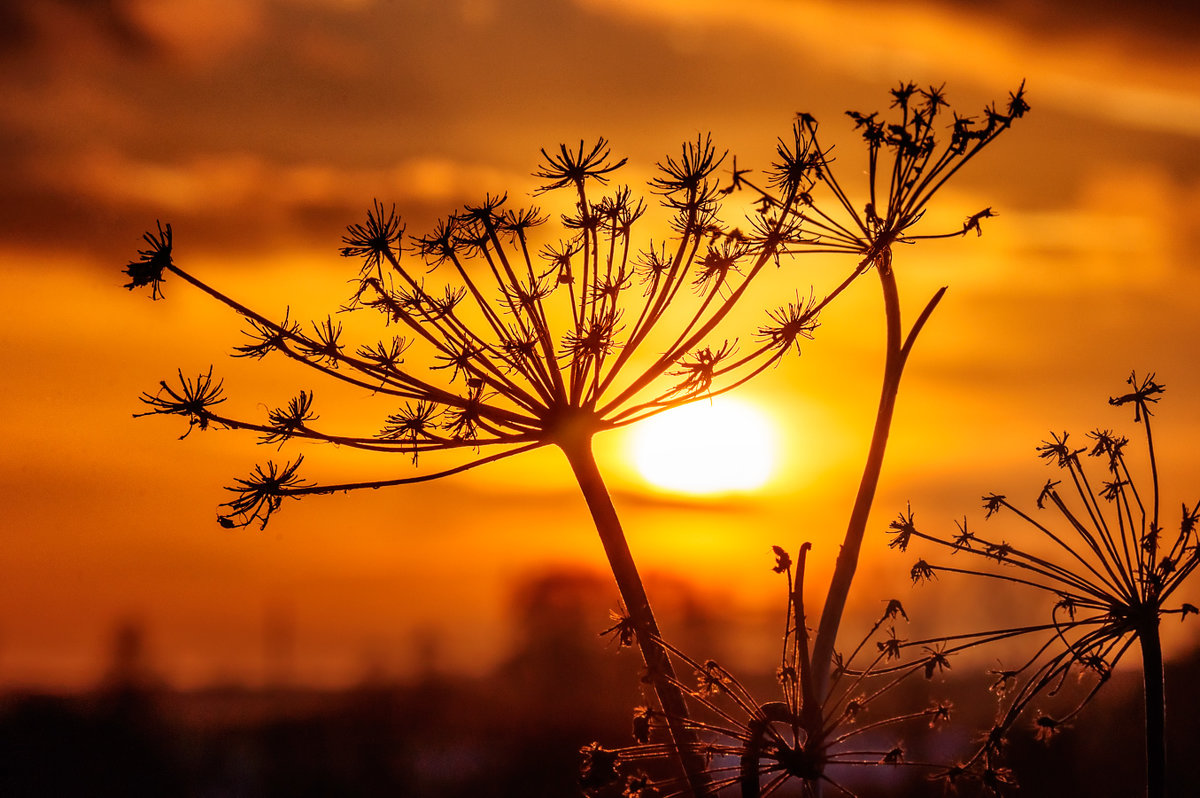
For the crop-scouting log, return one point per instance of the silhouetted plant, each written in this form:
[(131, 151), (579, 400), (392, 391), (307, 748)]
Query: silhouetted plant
[(526, 347), (1110, 574), (908, 162), (513, 381), (755, 748)]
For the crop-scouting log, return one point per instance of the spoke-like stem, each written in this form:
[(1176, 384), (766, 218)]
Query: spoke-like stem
[(578, 450)]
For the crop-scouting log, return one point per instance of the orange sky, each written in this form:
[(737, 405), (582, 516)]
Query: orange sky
[(260, 128)]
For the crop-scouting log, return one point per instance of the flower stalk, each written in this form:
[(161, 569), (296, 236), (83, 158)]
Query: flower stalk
[(660, 672), (1154, 686), (906, 166), (1110, 572), (896, 355)]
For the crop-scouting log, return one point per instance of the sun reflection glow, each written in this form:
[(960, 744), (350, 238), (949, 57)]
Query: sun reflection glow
[(710, 447)]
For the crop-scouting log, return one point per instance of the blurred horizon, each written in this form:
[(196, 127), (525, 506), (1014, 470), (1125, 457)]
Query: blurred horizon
[(261, 128), (516, 729)]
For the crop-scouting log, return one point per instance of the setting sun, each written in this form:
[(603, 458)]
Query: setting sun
[(719, 446)]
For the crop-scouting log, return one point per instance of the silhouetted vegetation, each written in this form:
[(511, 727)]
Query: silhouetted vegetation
[(535, 340), (1110, 576)]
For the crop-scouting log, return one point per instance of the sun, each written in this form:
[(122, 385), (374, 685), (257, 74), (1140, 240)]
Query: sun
[(710, 447)]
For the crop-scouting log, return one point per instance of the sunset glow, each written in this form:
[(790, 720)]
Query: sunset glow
[(710, 447), (260, 130), (582, 353)]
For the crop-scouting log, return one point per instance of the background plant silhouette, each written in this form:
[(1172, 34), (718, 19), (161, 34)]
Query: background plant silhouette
[(1103, 559), (753, 747)]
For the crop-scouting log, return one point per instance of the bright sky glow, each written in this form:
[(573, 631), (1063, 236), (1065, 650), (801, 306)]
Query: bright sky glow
[(723, 446), (269, 137)]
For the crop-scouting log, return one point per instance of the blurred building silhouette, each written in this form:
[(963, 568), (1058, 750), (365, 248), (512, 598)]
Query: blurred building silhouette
[(514, 732)]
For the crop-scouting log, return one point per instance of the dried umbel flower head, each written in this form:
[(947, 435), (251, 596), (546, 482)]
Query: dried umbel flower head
[(1108, 565), (152, 262), (525, 344), (506, 345), (801, 739), (910, 158), (911, 154), (520, 345)]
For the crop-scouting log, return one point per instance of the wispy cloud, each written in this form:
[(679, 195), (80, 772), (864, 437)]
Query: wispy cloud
[(1116, 72), (200, 31), (243, 181)]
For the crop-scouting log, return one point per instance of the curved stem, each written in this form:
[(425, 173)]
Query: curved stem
[(578, 450), (847, 560), (1156, 741)]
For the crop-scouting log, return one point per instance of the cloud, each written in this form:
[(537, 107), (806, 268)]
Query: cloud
[(1130, 225), (240, 180), (200, 30), (55, 22), (97, 199), (1121, 74)]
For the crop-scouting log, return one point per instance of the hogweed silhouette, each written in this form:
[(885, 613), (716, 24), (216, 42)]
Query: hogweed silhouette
[(512, 380), (527, 346), (754, 748), (1111, 575), (908, 161)]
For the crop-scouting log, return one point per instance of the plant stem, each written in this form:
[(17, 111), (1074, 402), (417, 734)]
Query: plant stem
[(578, 450), (847, 560), (1156, 740)]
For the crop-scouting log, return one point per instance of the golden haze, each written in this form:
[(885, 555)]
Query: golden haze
[(262, 138)]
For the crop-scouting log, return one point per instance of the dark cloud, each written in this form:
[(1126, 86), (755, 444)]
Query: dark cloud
[(1169, 20), (26, 26), (362, 89), (15, 30), (351, 91)]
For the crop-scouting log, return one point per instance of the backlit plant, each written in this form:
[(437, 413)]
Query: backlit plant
[(1105, 563), (524, 346), (909, 159), (754, 748), (529, 343)]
